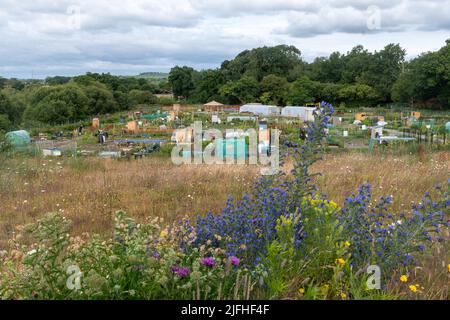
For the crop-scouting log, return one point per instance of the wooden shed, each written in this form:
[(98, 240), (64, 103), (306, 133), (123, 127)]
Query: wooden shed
[(133, 127)]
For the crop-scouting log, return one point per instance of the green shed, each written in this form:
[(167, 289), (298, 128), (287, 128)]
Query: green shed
[(19, 138)]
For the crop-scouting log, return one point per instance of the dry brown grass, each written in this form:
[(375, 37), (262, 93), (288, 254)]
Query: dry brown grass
[(89, 191), (404, 177)]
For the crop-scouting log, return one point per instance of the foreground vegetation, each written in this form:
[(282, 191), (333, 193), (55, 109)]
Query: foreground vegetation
[(284, 239)]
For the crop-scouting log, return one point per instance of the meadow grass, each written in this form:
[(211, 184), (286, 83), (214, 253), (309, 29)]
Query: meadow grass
[(90, 190)]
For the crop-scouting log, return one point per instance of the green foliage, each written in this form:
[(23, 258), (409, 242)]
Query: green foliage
[(426, 78), (140, 97), (244, 90), (140, 262), (274, 89), (260, 62), (58, 104), (181, 80), (5, 123), (302, 91)]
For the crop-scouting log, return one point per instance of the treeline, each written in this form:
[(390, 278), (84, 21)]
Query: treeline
[(271, 75), (59, 100), (278, 75)]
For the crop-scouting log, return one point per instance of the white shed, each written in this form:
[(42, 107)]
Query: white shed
[(258, 108), (305, 113)]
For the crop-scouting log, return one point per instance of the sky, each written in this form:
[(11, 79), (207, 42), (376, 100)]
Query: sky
[(40, 38)]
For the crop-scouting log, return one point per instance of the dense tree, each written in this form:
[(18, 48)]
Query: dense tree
[(5, 124), (12, 105), (426, 79), (384, 69), (57, 105), (207, 85), (101, 100), (3, 82), (181, 80), (140, 97), (274, 89), (260, 62), (53, 81), (302, 91), (245, 90), (327, 69), (357, 95), (355, 65)]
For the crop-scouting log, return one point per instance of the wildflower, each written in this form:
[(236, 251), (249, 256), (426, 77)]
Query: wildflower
[(346, 244), (235, 261), (333, 205), (163, 234), (448, 267), (340, 262), (301, 291), (404, 278), (413, 288), (181, 272), (208, 261), (343, 296)]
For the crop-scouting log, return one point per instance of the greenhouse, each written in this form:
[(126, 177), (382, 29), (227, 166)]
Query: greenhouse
[(19, 138), (257, 108)]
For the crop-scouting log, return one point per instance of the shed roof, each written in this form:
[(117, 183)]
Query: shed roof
[(213, 103)]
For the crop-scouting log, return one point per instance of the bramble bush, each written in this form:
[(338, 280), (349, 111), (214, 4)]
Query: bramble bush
[(284, 239)]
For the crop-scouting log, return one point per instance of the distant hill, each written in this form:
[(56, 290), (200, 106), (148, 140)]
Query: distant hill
[(156, 76)]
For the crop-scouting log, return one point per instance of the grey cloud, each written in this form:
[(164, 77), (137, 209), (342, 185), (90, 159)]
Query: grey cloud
[(356, 16), (136, 35)]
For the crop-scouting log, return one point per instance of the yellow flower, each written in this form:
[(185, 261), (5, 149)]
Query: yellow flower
[(346, 244), (163, 234), (403, 278), (448, 267), (333, 204), (343, 296), (340, 262), (413, 288), (301, 291)]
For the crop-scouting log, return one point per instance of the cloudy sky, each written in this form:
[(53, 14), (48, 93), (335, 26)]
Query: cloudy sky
[(59, 37)]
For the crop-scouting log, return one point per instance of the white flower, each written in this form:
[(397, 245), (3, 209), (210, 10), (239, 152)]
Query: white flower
[(30, 253)]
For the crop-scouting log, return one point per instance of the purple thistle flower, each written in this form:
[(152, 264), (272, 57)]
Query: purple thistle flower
[(234, 260), (208, 261), (181, 272)]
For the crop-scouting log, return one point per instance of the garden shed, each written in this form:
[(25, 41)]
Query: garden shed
[(18, 138)]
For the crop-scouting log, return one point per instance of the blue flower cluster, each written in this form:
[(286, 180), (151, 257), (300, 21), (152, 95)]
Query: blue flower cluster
[(380, 237), (246, 227)]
